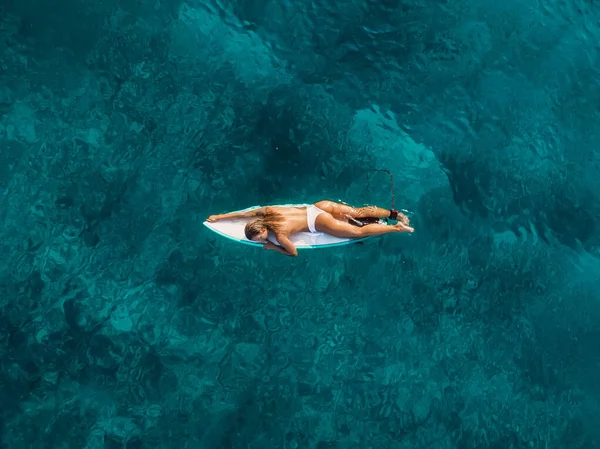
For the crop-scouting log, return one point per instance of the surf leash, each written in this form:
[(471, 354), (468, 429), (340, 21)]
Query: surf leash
[(393, 211)]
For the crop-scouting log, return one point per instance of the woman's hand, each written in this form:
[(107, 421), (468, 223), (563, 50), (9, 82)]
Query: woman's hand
[(270, 245), (213, 218), (286, 247)]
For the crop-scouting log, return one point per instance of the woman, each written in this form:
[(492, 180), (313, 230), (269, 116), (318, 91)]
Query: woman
[(324, 216)]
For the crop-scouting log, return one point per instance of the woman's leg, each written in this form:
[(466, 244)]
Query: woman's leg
[(328, 224), (340, 211)]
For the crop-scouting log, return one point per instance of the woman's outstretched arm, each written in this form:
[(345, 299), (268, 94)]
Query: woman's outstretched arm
[(233, 215)]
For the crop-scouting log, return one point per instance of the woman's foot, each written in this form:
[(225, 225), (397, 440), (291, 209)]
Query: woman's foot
[(403, 227), (403, 219)]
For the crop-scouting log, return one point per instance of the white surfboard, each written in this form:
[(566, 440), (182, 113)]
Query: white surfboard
[(234, 230)]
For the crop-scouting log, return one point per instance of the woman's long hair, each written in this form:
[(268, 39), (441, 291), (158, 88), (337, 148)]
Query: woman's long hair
[(273, 222)]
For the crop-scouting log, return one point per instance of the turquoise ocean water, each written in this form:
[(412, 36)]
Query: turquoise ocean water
[(125, 324)]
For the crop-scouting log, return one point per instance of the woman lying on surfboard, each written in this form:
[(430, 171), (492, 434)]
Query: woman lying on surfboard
[(338, 220)]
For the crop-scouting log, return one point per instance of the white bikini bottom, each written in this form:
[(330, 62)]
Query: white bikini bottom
[(312, 212)]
